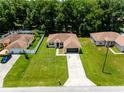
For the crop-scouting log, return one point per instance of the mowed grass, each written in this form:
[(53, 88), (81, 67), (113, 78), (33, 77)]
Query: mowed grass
[(93, 58), (115, 49), (42, 69), (34, 43)]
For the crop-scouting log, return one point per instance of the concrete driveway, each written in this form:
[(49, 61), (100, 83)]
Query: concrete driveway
[(4, 68), (77, 76)]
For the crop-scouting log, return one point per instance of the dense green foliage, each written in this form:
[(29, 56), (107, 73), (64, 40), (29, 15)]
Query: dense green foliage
[(80, 16)]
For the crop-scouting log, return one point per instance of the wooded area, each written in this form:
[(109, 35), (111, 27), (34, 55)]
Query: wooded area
[(80, 16)]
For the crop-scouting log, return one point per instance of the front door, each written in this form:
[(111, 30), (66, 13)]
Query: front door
[(57, 45)]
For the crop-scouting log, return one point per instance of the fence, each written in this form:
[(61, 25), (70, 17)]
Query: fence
[(11, 32), (17, 32), (28, 51), (21, 51)]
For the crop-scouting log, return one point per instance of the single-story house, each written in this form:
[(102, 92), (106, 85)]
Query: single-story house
[(99, 38), (120, 43), (68, 41), (18, 41), (17, 44), (23, 41)]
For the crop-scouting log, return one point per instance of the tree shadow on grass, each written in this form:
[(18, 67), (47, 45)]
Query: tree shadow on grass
[(108, 73)]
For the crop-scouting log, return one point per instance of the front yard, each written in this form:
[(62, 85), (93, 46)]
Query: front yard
[(93, 58), (46, 69), (42, 69)]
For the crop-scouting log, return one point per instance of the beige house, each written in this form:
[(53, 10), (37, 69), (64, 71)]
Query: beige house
[(120, 43), (99, 38), (115, 39), (16, 41), (68, 41)]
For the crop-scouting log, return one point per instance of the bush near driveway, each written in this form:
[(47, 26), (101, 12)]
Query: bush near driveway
[(42, 69)]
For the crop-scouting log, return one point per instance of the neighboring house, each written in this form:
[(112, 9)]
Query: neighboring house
[(68, 41), (17, 44), (120, 43), (23, 41), (18, 41), (99, 38), (7, 40)]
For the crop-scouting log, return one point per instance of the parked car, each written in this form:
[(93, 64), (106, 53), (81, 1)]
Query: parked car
[(5, 59)]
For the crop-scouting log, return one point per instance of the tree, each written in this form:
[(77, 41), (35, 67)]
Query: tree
[(81, 16)]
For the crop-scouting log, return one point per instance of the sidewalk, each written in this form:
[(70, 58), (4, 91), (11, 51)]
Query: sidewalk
[(5, 68)]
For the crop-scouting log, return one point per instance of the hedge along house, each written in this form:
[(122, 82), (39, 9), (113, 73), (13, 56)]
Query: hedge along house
[(100, 38), (120, 43), (68, 41)]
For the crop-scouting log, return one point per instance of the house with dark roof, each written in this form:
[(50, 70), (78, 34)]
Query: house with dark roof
[(99, 38), (68, 41)]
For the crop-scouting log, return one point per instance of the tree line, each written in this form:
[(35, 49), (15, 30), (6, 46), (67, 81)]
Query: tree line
[(79, 16)]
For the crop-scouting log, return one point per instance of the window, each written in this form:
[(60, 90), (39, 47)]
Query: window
[(100, 43), (51, 43)]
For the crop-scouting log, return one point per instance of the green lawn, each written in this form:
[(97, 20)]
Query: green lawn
[(0, 58), (41, 69), (34, 43), (93, 59), (115, 49)]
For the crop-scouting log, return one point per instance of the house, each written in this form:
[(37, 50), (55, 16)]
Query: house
[(120, 43), (17, 44), (16, 41), (23, 41), (99, 38), (7, 40), (68, 41)]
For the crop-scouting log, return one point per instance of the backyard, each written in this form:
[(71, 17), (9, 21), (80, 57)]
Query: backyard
[(42, 69), (93, 58), (35, 41)]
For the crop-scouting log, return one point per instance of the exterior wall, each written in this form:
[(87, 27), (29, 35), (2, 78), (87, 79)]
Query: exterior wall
[(65, 50), (112, 43), (102, 43), (121, 48), (97, 42), (21, 51), (28, 51), (51, 46), (54, 45)]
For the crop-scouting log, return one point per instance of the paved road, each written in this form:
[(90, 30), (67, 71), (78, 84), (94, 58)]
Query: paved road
[(4, 68), (77, 76), (65, 89)]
